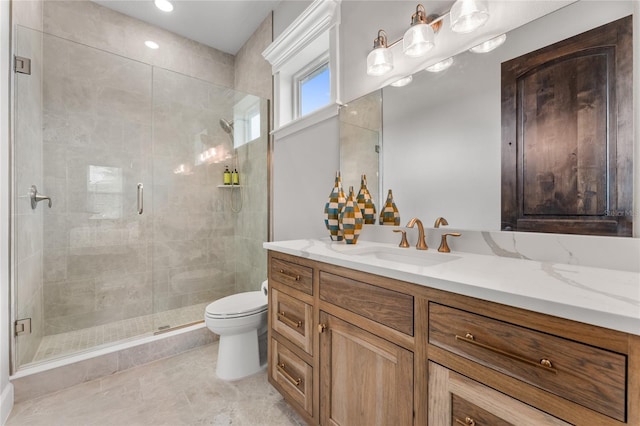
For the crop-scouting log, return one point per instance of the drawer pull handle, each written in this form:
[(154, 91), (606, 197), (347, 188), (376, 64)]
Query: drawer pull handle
[(291, 322), (468, 421), (290, 275), (289, 377), (544, 363)]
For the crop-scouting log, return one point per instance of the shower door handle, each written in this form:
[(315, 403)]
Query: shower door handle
[(140, 198), (36, 198)]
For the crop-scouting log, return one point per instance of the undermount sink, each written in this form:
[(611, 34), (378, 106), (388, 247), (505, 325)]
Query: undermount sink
[(404, 255)]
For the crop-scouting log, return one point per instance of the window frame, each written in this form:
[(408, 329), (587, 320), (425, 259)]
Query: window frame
[(306, 72)]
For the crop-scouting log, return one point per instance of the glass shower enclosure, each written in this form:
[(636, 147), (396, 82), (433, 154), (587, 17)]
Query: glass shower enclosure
[(120, 228)]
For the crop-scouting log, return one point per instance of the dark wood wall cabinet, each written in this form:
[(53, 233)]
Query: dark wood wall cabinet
[(567, 135)]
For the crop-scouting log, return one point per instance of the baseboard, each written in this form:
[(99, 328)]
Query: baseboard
[(6, 403)]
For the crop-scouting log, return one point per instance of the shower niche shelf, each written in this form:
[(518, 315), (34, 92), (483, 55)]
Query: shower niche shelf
[(230, 186)]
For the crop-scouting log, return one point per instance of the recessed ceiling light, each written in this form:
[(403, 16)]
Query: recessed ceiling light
[(403, 81), (440, 66), (151, 44), (489, 45), (163, 5)]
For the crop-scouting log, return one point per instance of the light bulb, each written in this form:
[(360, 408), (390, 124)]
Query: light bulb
[(379, 61), (489, 45), (418, 40), (403, 81), (440, 66), (163, 5), (468, 15)]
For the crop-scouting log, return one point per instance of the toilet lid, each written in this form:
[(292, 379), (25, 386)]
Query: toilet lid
[(236, 305)]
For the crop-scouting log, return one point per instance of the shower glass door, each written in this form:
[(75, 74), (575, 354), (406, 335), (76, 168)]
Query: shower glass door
[(82, 136)]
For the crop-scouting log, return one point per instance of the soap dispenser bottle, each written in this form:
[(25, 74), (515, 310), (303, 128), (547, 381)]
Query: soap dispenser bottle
[(235, 179), (226, 176)]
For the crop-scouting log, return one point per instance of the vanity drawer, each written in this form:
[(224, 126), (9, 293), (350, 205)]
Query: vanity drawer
[(465, 413), (589, 376), (293, 275), (293, 376), (387, 307), (292, 318)]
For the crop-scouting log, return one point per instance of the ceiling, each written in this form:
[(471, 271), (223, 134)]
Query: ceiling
[(222, 24)]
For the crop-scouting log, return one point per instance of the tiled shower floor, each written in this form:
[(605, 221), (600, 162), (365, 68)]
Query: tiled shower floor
[(71, 342)]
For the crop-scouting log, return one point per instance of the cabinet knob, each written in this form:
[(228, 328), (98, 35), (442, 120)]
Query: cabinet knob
[(322, 328), (546, 363), (468, 421)]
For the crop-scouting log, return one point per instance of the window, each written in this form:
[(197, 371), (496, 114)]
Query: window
[(314, 90), (304, 62)]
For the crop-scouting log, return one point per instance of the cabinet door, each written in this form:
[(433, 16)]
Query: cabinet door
[(567, 140), (457, 400), (364, 379)]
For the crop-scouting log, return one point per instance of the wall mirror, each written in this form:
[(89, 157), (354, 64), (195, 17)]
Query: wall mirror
[(442, 132), (361, 143)]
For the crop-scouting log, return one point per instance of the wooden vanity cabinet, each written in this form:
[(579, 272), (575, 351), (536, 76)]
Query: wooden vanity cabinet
[(355, 364), (360, 349)]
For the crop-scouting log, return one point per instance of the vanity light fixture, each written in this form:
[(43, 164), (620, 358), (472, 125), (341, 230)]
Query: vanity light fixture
[(403, 81), (151, 44), (163, 5), (440, 66), (466, 16), (418, 39), (489, 45), (380, 59)]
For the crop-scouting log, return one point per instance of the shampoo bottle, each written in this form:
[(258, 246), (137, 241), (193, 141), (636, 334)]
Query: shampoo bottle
[(226, 177)]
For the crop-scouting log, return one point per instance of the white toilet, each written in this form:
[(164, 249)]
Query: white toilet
[(241, 321)]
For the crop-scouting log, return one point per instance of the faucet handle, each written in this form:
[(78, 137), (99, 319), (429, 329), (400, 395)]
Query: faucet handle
[(440, 221), (444, 247), (404, 243)]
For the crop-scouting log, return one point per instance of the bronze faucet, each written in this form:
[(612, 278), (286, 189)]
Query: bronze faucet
[(421, 244), (440, 221)]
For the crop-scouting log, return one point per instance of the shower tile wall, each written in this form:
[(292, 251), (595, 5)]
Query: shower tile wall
[(96, 26), (28, 171), (193, 226)]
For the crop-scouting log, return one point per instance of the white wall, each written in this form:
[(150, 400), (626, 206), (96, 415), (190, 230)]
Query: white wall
[(304, 167), (6, 388)]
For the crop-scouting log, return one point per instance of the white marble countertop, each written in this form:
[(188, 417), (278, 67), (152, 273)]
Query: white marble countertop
[(603, 297)]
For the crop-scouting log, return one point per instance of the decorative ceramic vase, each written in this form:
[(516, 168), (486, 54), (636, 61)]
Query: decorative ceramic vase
[(351, 219), (332, 209), (365, 203), (389, 214)]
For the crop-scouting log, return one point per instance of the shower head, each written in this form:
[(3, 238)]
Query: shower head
[(227, 126)]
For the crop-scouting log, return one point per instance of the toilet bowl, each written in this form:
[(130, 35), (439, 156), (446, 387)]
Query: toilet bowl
[(240, 320)]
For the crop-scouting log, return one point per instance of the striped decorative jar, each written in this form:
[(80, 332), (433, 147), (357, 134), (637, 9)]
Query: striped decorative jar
[(389, 214), (351, 219), (365, 203), (332, 209)]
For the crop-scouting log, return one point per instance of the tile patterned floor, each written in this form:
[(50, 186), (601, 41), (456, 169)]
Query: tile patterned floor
[(62, 344), (181, 390)]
